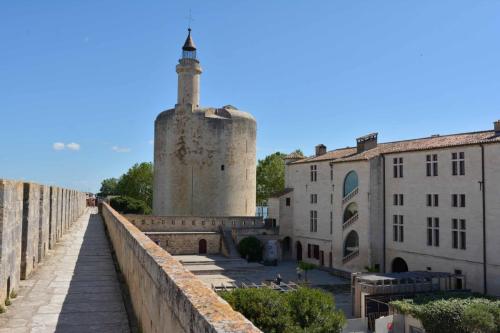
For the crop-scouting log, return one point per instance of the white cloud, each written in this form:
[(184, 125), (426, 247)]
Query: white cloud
[(73, 146), (118, 149), (58, 146)]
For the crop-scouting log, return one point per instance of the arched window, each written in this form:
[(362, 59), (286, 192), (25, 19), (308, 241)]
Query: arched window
[(350, 182), (350, 211), (351, 243)]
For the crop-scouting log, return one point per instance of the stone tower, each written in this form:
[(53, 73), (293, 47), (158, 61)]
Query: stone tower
[(204, 158)]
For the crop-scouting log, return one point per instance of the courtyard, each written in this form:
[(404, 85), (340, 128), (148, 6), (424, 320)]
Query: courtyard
[(216, 271)]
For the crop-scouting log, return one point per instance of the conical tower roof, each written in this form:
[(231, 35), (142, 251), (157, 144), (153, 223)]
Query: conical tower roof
[(189, 44)]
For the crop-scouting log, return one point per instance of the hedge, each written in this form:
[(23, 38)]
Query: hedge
[(455, 313), (304, 310)]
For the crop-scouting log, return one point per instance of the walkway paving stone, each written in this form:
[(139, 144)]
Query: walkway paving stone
[(76, 289)]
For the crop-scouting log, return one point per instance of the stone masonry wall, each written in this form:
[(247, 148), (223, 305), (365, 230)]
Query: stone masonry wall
[(165, 296), (29, 226), (43, 221), (149, 223), (186, 243), (11, 219), (31, 213)]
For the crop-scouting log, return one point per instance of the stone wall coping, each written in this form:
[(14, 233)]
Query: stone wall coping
[(181, 232), (139, 216), (203, 310)]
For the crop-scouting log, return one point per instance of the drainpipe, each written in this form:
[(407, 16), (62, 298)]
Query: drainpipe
[(483, 188), (383, 209)]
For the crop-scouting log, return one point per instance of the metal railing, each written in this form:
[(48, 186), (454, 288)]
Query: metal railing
[(350, 256)]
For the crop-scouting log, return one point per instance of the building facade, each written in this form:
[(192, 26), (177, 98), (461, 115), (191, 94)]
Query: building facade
[(204, 158), (428, 204)]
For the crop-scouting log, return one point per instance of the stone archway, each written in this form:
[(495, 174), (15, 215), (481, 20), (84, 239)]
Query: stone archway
[(286, 247), (399, 265), (202, 246)]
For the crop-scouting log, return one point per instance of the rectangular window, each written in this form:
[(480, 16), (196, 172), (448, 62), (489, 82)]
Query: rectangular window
[(458, 200), (397, 228), (316, 251), (432, 165), (314, 173), (309, 250), (313, 222), (331, 172), (458, 164), (331, 223), (314, 198), (458, 234), (432, 200), (433, 231), (398, 167), (287, 201), (398, 199)]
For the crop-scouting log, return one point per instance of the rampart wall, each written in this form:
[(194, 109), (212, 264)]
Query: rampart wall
[(165, 296)]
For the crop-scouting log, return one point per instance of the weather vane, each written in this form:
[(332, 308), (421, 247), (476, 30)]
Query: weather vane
[(190, 19)]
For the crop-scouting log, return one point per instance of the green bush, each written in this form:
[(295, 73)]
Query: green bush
[(250, 248), (127, 205), (453, 313), (304, 310)]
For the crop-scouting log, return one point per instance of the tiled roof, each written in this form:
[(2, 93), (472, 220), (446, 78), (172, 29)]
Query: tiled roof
[(294, 155), (433, 142), (280, 193)]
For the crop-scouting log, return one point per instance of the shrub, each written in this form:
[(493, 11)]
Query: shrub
[(303, 310), (2, 309), (13, 294), (453, 313), (127, 205), (306, 266), (7, 302), (250, 248)]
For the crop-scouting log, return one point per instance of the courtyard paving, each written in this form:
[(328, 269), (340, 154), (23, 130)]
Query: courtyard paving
[(215, 270), (76, 289)]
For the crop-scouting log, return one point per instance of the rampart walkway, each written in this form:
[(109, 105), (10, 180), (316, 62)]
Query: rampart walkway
[(75, 290)]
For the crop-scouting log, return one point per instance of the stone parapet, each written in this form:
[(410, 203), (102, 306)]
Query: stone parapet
[(166, 297), (149, 223), (31, 220)]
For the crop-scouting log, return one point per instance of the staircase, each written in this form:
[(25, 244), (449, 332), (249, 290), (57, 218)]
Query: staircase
[(350, 195), (350, 256), (227, 238)]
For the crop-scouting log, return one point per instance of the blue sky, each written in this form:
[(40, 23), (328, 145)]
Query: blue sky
[(81, 82)]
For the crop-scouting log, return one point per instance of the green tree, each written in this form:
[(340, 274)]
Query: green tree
[(482, 318), (250, 248), (271, 175), (108, 187), (127, 205), (137, 183), (305, 266)]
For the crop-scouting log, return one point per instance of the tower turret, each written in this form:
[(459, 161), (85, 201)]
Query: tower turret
[(189, 71)]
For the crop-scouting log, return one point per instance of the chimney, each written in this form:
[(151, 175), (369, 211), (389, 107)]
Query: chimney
[(366, 142), (320, 150), (496, 125)]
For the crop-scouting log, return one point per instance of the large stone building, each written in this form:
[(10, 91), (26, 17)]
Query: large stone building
[(428, 204), (204, 160)]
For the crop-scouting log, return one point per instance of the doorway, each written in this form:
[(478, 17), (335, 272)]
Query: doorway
[(202, 246), (298, 248)]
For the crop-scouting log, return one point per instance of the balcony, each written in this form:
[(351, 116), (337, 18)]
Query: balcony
[(350, 195), (350, 221), (351, 255)]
